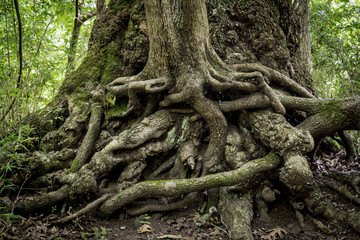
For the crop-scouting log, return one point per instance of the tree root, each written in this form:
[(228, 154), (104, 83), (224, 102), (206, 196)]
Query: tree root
[(131, 86), (88, 142), (345, 191), (351, 178), (275, 76), (349, 146), (162, 168), (90, 207), (181, 186), (68, 135), (318, 205), (43, 201), (329, 116), (298, 207), (218, 130), (162, 208), (237, 214), (41, 163), (320, 225), (151, 127)]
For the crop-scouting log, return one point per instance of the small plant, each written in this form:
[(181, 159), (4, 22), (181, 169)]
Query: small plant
[(6, 215), (53, 209), (13, 155), (97, 233), (13, 149), (146, 217)]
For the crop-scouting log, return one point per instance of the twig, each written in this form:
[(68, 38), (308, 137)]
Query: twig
[(18, 194), (86, 209)]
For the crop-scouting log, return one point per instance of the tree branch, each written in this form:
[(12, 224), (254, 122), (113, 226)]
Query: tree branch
[(87, 16)]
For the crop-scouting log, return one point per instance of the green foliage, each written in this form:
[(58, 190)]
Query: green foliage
[(335, 37), (46, 30), (97, 233), (13, 150), (335, 33), (146, 218)]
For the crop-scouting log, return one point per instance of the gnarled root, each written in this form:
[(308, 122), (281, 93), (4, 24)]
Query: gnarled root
[(162, 208), (319, 205), (91, 206), (181, 186), (43, 201), (131, 86), (237, 213), (275, 76)]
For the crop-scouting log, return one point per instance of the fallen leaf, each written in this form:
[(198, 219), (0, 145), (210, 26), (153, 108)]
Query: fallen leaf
[(145, 228), (274, 234)]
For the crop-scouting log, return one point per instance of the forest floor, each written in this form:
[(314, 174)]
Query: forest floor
[(187, 223)]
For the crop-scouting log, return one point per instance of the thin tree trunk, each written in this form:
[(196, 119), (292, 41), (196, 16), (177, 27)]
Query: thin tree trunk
[(100, 8), (303, 9)]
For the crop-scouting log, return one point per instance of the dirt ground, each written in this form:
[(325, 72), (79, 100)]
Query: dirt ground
[(189, 224)]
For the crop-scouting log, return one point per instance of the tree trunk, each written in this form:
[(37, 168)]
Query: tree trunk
[(303, 9), (177, 97)]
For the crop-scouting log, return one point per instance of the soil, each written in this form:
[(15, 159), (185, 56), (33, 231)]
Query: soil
[(188, 223)]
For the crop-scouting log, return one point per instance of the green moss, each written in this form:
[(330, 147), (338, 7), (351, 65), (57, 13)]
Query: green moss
[(129, 32), (117, 110), (119, 5), (185, 127), (332, 110), (171, 136), (112, 63), (89, 72)]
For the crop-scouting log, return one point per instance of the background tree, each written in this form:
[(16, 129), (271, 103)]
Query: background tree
[(167, 104), (336, 47), (46, 30)]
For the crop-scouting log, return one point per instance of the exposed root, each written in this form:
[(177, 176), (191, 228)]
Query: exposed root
[(88, 142), (275, 76), (250, 82), (351, 178), (264, 196), (131, 86), (345, 191), (237, 213), (162, 168), (69, 134), (320, 225), (349, 146), (151, 127), (181, 186), (41, 163), (261, 206), (276, 132), (318, 205), (162, 208), (218, 130), (90, 207), (298, 207), (43, 201)]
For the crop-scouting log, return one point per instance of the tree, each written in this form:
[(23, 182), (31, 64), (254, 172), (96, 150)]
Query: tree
[(167, 104), (336, 47)]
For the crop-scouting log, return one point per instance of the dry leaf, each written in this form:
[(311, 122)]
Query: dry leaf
[(274, 234), (145, 228)]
